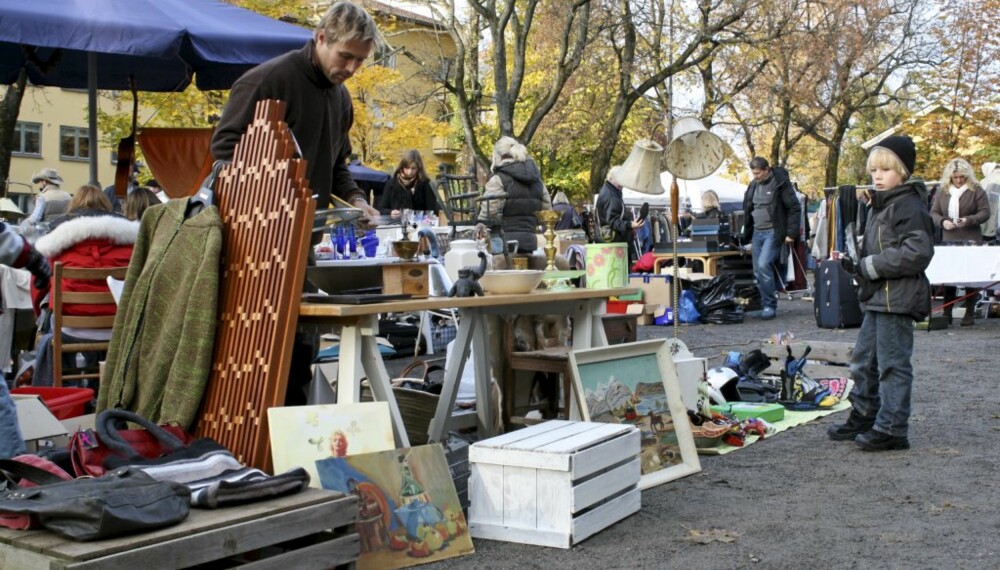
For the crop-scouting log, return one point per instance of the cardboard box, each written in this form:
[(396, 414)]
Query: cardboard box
[(643, 313), (656, 289), (35, 420)]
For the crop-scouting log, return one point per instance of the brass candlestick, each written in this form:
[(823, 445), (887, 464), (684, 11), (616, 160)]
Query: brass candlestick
[(549, 218)]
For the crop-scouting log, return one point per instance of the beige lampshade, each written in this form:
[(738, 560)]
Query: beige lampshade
[(694, 152), (9, 210), (641, 170)]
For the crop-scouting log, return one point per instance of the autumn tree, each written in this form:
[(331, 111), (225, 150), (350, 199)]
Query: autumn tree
[(963, 89)]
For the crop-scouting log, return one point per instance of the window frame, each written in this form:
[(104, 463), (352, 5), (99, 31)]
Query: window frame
[(79, 133), (19, 137)]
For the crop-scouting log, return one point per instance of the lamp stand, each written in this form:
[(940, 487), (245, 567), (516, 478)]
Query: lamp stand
[(675, 222)]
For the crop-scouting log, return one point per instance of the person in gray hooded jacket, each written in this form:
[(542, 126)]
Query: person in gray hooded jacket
[(515, 191), (894, 291)]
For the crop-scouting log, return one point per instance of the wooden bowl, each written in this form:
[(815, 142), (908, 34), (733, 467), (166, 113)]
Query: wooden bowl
[(405, 249)]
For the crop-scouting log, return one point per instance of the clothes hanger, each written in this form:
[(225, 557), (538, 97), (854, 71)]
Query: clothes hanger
[(205, 196)]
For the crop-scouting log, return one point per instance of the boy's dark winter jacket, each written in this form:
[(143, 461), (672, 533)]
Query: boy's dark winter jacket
[(898, 247)]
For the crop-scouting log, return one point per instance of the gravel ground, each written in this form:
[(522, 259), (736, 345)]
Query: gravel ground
[(799, 500)]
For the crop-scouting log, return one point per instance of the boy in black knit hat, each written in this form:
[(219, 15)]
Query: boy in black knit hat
[(894, 291)]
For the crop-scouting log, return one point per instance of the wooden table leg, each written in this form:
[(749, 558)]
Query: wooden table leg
[(452, 376), (350, 369), (484, 378), (378, 379), (588, 332)]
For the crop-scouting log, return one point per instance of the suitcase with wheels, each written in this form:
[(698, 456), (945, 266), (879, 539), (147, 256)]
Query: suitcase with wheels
[(836, 302)]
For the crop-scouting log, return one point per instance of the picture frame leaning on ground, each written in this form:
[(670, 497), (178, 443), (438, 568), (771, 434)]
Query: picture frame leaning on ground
[(636, 383)]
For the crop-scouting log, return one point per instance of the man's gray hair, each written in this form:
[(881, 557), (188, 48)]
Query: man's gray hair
[(345, 21)]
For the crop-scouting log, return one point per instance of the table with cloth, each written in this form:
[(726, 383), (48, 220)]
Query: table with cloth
[(968, 266), (359, 353)]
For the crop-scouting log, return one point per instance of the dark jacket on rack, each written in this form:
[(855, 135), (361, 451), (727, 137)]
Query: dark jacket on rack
[(784, 208), (161, 349), (396, 197), (897, 249)]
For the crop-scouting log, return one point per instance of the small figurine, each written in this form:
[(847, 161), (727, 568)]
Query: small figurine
[(468, 280)]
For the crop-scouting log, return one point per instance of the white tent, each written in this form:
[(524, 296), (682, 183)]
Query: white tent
[(690, 190)]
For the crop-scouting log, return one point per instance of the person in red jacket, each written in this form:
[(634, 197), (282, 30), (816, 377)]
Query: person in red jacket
[(89, 235)]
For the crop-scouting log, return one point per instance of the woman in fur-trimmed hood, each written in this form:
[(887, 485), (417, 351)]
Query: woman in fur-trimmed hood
[(89, 235)]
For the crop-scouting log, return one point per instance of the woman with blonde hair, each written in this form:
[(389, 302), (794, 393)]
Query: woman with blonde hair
[(710, 206), (515, 191), (960, 207)]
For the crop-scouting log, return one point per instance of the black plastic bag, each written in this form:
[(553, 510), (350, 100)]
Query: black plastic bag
[(725, 316), (719, 289)]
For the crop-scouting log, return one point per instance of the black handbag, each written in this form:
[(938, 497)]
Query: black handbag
[(121, 502)]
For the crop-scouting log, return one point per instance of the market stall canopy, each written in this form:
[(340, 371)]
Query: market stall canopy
[(728, 191), (161, 43), (362, 173)]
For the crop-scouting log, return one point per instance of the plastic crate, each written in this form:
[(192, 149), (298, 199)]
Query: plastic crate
[(617, 307), (64, 403)]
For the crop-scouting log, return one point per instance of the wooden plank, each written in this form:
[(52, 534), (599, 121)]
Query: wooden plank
[(519, 535), (316, 557), (19, 559), (606, 485), (486, 494), (97, 298), (100, 322), (319, 311), (230, 540), (518, 458), (588, 439), (199, 521), (820, 350), (609, 453), (550, 442), (517, 435), (519, 492), (606, 515), (101, 273), (555, 496)]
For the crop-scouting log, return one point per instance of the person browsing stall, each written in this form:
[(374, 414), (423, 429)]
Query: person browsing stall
[(16, 252), (960, 207), (409, 188), (894, 291), (52, 201), (772, 219), (517, 192), (570, 219), (612, 212), (319, 112), (318, 106)]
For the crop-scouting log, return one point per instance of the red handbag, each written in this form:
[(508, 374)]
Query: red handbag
[(88, 449), (32, 470)]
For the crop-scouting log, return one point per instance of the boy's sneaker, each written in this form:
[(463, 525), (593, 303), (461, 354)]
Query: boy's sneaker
[(853, 427), (768, 313), (875, 440)]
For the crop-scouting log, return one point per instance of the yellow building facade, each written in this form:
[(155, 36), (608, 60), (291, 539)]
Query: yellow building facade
[(52, 133)]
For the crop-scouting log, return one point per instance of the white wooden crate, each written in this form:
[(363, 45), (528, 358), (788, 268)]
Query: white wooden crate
[(553, 484)]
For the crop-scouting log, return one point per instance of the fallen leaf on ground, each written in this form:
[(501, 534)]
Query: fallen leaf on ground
[(712, 535)]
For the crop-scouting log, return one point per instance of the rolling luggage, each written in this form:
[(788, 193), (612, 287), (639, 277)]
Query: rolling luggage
[(836, 302)]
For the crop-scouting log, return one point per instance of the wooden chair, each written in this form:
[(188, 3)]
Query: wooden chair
[(60, 298), (460, 195), (550, 360)]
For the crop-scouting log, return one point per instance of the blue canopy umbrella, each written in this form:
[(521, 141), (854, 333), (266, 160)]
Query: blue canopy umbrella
[(161, 43), (361, 173)]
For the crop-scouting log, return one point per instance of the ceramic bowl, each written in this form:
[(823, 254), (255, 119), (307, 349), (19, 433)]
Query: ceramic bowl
[(511, 281), (405, 249)]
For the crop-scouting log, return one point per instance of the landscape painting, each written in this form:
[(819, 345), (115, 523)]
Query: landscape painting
[(637, 384), (302, 434), (408, 509)]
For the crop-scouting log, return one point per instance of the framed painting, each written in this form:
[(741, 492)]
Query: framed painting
[(408, 509), (636, 383), (302, 434)]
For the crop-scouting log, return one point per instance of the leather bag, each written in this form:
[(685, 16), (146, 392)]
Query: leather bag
[(121, 502), (27, 471), (89, 450)]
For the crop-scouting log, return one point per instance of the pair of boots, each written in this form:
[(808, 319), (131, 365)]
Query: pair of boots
[(861, 430)]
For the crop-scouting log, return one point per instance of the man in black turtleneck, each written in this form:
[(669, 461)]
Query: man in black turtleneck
[(318, 106)]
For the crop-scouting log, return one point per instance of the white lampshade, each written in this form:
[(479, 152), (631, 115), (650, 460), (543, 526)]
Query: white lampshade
[(694, 152), (641, 170), (9, 210)]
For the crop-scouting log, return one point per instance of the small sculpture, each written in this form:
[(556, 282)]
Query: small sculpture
[(468, 280)]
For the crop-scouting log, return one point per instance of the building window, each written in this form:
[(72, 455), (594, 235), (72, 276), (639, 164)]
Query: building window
[(74, 143), (386, 57), (28, 139)]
